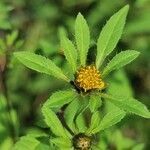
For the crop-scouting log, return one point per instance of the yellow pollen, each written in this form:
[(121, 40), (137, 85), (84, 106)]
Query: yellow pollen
[(88, 78)]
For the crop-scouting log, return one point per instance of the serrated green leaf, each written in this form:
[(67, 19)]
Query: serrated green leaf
[(35, 132), (94, 102), (40, 64), (130, 105), (62, 142), (70, 52), (44, 146), (82, 36), (80, 118), (62, 33), (120, 60), (109, 119), (95, 121), (80, 123), (53, 122), (110, 35), (60, 98), (26, 142), (70, 113)]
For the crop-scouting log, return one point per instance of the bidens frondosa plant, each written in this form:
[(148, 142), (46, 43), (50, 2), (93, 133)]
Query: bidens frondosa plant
[(83, 98)]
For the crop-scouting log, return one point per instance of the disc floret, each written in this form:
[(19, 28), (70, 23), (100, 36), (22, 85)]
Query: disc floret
[(89, 78), (81, 142)]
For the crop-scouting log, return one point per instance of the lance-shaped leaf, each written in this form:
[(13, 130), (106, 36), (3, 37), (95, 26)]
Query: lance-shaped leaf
[(62, 33), (130, 105), (60, 98), (109, 119), (53, 122), (80, 123), (120, 60), (63, 143), (80, 118), (82, 36), (95, 121), (26, 142), (70, 52), (40, 64), (110, 35), (70, 113), (94, 102)]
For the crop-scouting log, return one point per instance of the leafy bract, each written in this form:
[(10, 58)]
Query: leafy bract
[(80, 115), (62, 143), (109, 119), (82, 37), (94, 102), (130, 105), (44, 146), (80, 123), (70, 113), (60, 98), (70, 52), (95, 121), (40, 64), (53, 122), (120, 60), (110, 35)]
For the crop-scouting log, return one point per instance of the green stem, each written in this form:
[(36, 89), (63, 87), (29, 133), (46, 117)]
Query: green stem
[(9, 104)]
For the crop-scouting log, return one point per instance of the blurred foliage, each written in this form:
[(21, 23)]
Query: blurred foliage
[(33, 26)]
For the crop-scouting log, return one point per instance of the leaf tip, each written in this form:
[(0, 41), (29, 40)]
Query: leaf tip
[(137, 53), (126, 8), (79, 14)]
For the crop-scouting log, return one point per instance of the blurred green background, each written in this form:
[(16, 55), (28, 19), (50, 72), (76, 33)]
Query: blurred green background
[(34, 26)]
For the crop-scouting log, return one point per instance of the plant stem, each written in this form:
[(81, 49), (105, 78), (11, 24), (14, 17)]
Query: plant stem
[(3, 87)]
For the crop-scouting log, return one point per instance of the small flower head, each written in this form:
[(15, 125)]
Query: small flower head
[(89, 78), (82, 142)]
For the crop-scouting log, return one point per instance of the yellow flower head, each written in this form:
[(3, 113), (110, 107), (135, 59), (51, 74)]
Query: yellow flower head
[(88, 78)]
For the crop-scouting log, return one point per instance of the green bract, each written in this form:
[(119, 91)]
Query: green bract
[(78, 104)]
